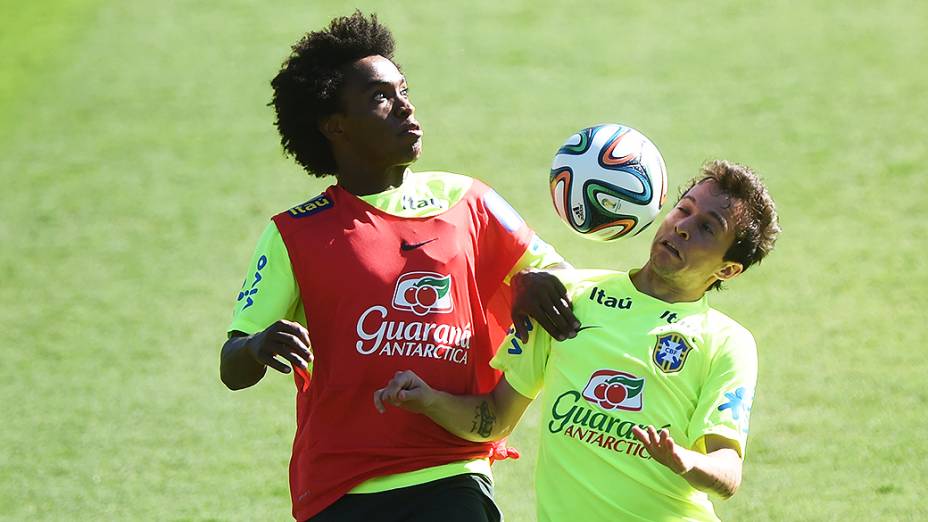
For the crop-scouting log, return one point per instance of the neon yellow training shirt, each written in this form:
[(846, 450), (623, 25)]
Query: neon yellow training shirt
[(636, 361), (270, 291)]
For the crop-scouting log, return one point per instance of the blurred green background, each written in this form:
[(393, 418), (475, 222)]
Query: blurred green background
[(139, 164)]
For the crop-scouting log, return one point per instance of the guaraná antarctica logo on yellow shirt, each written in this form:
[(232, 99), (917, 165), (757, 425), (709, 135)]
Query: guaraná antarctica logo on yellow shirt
[(574, 415), (615, 390)]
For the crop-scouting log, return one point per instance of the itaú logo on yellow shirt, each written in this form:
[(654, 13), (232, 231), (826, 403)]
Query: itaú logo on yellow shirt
[(615, 390)]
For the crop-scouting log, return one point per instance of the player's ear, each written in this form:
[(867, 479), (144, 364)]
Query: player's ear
[(331, 126), (728, 270)]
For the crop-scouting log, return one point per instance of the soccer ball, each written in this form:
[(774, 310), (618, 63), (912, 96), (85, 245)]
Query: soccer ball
[(608, 181)]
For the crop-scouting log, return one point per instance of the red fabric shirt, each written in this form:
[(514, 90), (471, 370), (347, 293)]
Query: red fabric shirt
[(382, 294)]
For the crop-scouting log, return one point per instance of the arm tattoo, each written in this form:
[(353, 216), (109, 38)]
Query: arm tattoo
[(483, 420), (718, 486)]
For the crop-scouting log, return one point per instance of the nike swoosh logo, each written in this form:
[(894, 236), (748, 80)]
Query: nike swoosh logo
[(412, 246), (582, 328)]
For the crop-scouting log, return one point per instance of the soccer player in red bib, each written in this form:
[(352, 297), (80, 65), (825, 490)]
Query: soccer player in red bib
[(386, 270)]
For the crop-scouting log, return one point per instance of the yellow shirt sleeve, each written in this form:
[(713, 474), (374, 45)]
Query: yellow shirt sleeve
[(524, 364), (538, 255), (270, 291), (726, 399)]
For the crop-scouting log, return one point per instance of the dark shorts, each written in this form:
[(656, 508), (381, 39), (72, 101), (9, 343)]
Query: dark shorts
[(462, 498)]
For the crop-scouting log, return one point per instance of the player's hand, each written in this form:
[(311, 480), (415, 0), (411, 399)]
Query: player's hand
[(662, 448), (405, 390), (282, 341), (541, 296)]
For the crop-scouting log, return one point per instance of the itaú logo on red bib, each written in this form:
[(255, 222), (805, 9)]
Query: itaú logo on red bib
[(423, 293), (615, 390)]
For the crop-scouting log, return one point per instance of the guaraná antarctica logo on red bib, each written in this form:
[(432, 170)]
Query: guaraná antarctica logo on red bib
[(615, 390), (423, 293), (383, 332)]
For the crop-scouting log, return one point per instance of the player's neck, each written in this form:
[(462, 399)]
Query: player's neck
[(362, 180), (649, 282)]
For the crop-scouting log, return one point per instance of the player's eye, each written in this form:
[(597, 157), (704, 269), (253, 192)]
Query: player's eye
[(405, 92), (380, 96)]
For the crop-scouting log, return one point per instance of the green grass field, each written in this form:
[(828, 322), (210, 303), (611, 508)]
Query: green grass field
[(139, 165)]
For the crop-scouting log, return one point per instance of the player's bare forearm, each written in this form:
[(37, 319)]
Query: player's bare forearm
[(238, 369), (480, 418), (471, 417), (717, 471), (477, 418)]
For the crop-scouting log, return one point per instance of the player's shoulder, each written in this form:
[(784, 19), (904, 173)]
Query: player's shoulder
[(728, 332), (270, 234), (270, 249), (448, 185), (456, 188), (722, 322), (311, 207)]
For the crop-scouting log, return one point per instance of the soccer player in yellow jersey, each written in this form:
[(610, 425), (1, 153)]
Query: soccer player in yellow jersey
[(645, 411)]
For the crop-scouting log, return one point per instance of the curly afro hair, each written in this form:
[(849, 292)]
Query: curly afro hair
[(306, 88)]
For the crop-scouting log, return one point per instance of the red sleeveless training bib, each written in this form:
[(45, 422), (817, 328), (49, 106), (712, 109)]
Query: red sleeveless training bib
[(384, 293)]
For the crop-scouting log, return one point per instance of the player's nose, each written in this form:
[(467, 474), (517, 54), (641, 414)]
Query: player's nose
[(404, 108)]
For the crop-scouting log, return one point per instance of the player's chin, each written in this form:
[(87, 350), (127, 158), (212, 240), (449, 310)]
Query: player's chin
[(664, 262), (410, 152)]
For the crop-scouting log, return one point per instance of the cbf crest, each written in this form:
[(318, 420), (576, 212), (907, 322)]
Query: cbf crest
[(670, 352)]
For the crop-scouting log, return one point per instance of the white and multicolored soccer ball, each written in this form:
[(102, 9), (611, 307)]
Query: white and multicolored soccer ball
[(608, 181)]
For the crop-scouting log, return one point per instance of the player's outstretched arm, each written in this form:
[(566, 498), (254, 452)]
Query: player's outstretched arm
[(244, 358), (477, 418), (540, 295), (717, 471)]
